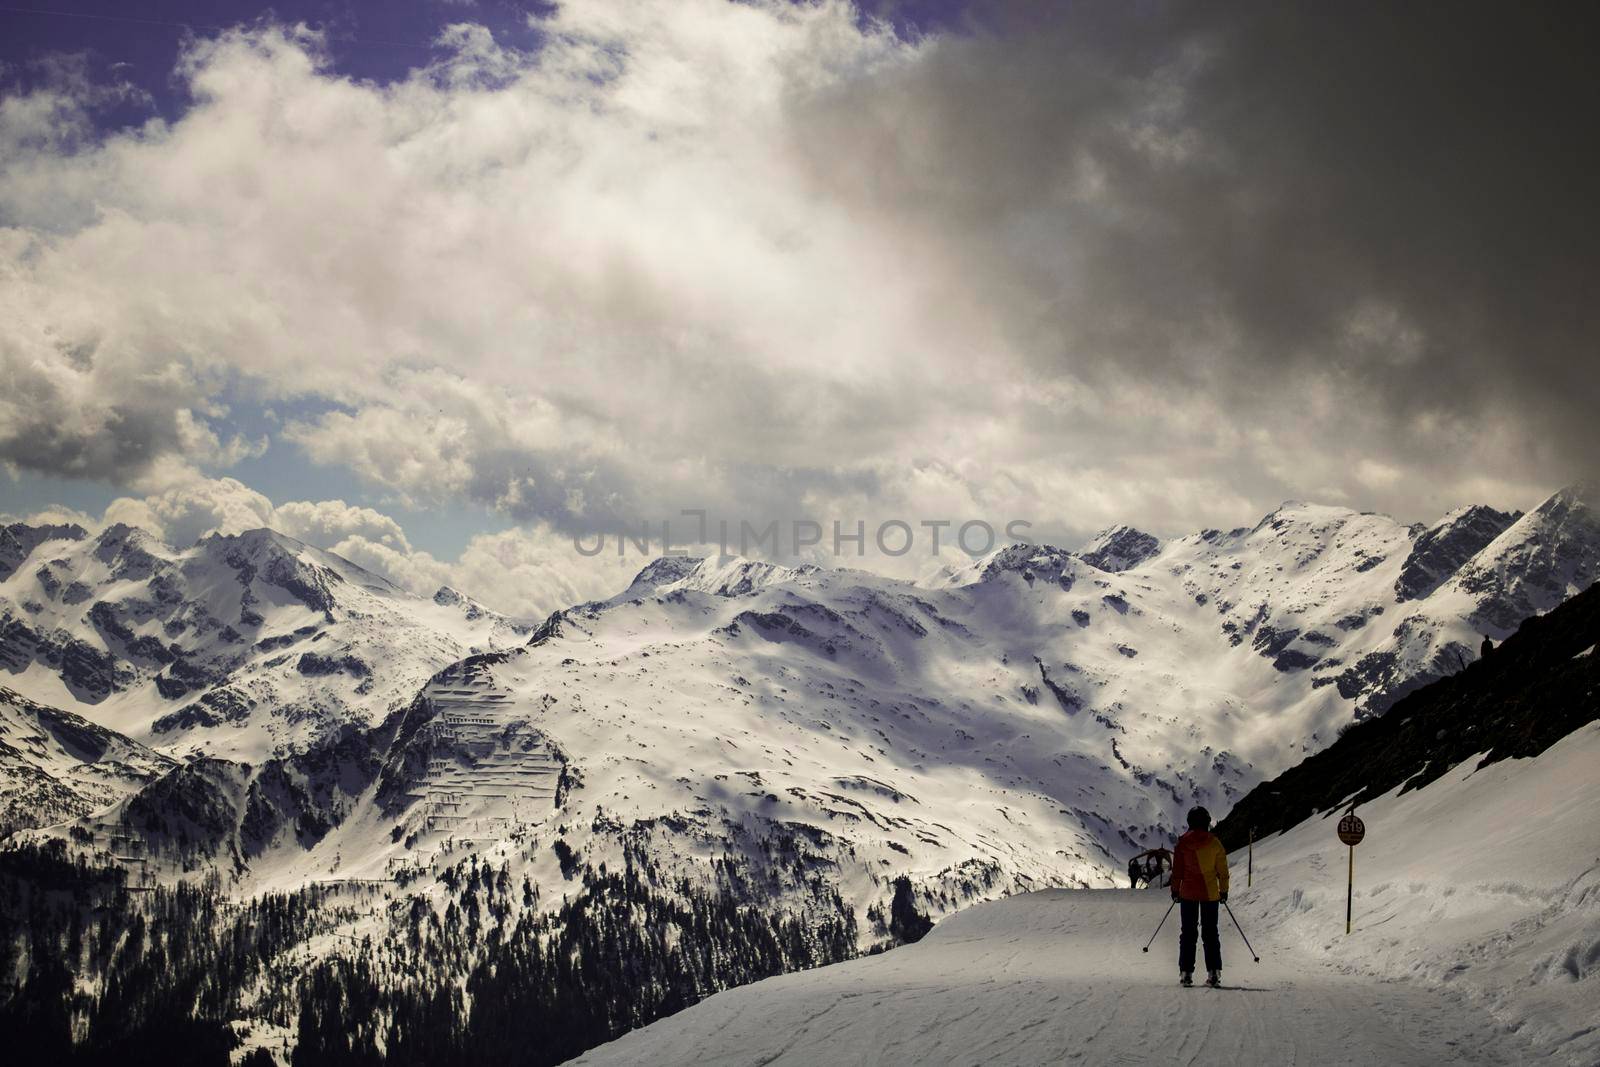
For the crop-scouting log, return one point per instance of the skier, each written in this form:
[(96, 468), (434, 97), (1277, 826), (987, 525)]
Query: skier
[(1133, 873), (1488, 647), (1199, 882)]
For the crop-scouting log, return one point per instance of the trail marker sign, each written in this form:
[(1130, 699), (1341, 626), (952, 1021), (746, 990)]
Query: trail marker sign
[(1351, 831)]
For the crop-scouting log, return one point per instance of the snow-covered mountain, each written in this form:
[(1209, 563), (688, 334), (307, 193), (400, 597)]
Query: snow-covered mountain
[(846, 752), (1026, 722), (239, 646)]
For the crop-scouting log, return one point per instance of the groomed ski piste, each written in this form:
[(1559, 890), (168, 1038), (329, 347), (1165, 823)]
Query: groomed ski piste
[(1476, 940)]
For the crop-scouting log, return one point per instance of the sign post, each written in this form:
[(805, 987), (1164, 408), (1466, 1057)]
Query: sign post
[(1250, 861), (1351, 831)]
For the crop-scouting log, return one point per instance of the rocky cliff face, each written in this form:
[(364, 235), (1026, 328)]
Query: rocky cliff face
[(1439, 551), (1119, 549)]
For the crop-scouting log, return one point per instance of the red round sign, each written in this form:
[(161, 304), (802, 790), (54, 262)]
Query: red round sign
[(1352, 830)]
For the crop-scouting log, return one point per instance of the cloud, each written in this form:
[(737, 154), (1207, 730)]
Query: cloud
[(183, 514), (526, 571), (523, 572), (54, 515), (1079, 265), (327, 523)]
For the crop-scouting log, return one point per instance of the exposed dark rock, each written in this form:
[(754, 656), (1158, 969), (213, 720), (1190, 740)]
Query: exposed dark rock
[(1120, 548), (1032, 563), (1271, 642), (1559, 550), (47, 581), (768, 623), (18, 540), (1356, 620), (1291, 659), (185, 676), (1369, 672), (1069, 701), (221, 705), (1438, 553), (548, 630), (90, 673), (314, 665)]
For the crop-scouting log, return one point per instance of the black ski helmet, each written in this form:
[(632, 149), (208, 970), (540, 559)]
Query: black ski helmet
[(1199, 818)]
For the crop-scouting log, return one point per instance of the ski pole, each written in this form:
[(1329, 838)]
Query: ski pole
[(1159, 925), (1239, 928)]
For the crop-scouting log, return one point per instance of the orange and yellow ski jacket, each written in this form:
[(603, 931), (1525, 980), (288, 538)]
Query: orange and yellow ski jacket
[(1199, 866)]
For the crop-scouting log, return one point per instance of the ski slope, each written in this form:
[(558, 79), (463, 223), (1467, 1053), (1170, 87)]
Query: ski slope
[(1057, 977), (1476, 940)]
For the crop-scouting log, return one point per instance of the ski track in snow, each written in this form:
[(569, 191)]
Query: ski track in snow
[(1057, 977)]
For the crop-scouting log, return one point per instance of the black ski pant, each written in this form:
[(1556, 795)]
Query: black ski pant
[(1204, 914)]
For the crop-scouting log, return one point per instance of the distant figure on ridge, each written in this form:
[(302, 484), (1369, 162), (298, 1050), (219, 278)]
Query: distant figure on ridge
[(1199, 882), (1133, 873), (1488, 647)]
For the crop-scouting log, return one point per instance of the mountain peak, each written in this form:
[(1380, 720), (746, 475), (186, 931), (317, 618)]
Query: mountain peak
[(260, 538), (736, 575), (49, 531), (18, 540), (1119, 548), (1441, 550), (718, 575), (1031, 562), (1582, 495), (1536, 562), (664, 570)]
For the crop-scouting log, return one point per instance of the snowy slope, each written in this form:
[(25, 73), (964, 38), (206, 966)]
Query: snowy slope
[(1484, 885), (1476, 940), (55, 765), (238, 646)]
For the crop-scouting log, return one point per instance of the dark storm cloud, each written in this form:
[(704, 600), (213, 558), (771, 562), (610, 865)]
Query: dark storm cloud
[(1081, 264), (1392, 202)]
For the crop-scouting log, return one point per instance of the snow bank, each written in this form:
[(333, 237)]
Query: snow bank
[(1485, 885)]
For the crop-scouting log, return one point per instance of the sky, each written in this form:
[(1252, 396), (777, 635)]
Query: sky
[(445, 286)]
